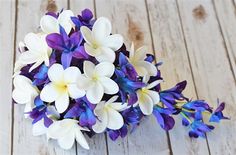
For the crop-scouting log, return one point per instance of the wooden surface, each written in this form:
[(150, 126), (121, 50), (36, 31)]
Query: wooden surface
[(196, 40)]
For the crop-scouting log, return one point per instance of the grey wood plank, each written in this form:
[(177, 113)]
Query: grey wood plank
[(7, 30), (211, 68), (225, 13), (170, 48), (129, 18), (97, 143), (28, 17)]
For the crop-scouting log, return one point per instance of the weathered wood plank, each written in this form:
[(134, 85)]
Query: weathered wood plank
[(28, 17), (170, 48), (211, 68), (7, 29), (129, 18), (97, 143), (225, 12)]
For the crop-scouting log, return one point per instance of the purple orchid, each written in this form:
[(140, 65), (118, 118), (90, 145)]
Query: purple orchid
[(217, 115), (114, 134), (85, 19), (83, 110), (127, 68), (163, 117), (198, 128), (40, 112), (41, 77), (70, 46), (169, 97), (127, 87), (132, 116)]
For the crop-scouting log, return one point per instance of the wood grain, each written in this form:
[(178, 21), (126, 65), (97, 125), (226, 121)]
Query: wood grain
[(170, 48), (211, 68), (7, 30), (129, 18)]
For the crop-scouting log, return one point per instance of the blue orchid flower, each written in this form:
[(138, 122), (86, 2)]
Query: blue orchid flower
[(41, 111), (83, 110), (163, 117), (132, 116), (70, 46), (41, 77), (170, 96), (198, 128), (217, 115), (127, 87), (114, 134), (127, 68)]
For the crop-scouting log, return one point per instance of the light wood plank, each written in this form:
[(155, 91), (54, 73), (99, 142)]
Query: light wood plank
[(29, 14), (211, 68), (129, 18), (170, 48), (97, 143), (225, 12), (7, 29)]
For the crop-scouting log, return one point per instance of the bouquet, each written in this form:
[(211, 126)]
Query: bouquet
[(75, 77)]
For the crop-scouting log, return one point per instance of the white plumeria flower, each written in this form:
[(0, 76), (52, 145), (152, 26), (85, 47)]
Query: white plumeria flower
[(66, 131), (38, 51), (99, 42), (108, 115), (39, 128), (24, 92), (96, 80), (148, 98), (62, 86), (136, 58), (50, 24)]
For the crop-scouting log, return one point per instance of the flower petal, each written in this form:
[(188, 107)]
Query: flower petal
[(20, 97), (106, 55), (101, 29), (62, 102), (65, 21), (49, 24), (81, 139), (114, 41), (119, 106), (33, 42), (105, 69), (75, 92), (66, 142), (71, 74), (150, 68), (153, 84), (91, 51), (110, 86), (95, 93), (39, 128), (154, 96), (101, 123), (140, 53), (87, 34), (49, 93), (145, 104), (56, 73), (84, 82), (115, 120), (88, 68)]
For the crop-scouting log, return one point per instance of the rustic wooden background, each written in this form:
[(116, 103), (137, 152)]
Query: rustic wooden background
[(196, 39)]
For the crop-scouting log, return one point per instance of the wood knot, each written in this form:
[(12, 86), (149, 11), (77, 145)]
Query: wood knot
[(134, 32), (199, 13), (51, 6)]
